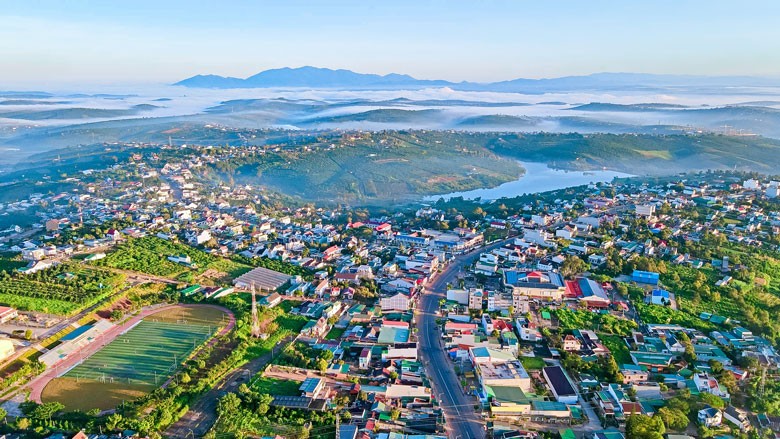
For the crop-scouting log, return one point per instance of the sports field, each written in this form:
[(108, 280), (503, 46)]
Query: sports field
[(147, 354), (137, 361)]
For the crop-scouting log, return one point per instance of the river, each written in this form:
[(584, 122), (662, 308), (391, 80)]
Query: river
[(538, 177)]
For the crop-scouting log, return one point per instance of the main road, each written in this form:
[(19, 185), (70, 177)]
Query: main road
[(462, 419)]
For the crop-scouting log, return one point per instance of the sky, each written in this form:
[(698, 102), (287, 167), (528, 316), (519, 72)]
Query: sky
[(163, 41)]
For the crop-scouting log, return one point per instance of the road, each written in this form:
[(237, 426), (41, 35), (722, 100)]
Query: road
[(203, 413), (462, 420)]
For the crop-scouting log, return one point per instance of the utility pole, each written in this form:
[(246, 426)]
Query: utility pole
[(255, 318)]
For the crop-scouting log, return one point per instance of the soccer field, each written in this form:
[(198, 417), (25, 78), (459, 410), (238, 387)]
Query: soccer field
[(146, 354), (137, 361)]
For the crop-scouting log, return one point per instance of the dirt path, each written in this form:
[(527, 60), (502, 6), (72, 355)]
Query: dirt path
[(202, 414), (37, 385)]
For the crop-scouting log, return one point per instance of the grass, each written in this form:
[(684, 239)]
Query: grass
[(146, 354), (87, 395), (139, 360), (532, 363), (617, 347), (276, 387), (335, 334)]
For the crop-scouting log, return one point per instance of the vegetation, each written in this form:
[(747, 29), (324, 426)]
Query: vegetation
[(63, 289), (150, 255), (582, 319)]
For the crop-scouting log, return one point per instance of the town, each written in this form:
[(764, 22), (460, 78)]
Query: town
[(149, 300)]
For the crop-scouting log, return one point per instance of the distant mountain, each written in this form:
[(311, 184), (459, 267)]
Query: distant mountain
[(605, 106), (310, 77), (316, 77)]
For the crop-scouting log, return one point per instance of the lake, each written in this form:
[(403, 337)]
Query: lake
[(538, 177)]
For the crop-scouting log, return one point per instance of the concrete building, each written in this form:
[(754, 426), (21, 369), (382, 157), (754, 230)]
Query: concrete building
[(560, 385)]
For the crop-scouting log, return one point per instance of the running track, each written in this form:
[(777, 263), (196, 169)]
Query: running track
[(37, 385)]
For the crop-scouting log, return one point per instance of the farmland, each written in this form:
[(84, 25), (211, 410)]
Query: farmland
[(150, 255), (63, 289)]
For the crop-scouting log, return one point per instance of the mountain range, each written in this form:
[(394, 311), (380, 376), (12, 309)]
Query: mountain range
[(316, 77)]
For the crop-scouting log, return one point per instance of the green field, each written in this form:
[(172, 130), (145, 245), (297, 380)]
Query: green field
[(273, 386), (147, 354), (532, 363), (617, 347), (139, 360)]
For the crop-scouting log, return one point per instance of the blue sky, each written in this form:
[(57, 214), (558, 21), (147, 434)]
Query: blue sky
[(164, 41)]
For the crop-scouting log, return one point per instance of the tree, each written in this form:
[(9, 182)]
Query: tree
[(264, 403), (3, 413), (712, 400), (644, 427), (22, 424), (322, 365), (113, 421), (690, 353), (28, 334), (228, 405), (674, 419), (46, 410), (395, 413), (573, 266)]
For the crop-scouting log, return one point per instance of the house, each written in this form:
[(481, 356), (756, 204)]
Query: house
[(568, 231), (200, 238), (487, 323), (560, 385), (475, 299), (316, 328), (540, 285), (182, 259), (634, 374), (311, 387), (33, 254), (114, 235), (710, 417), (397, 302), (646, 210), (645, 277), (737, 417), (571, 343), (52, 225), (508, 374), (365, 358), (7, 314), (660, 297), (708, 384), (6, 348), (270, 300)]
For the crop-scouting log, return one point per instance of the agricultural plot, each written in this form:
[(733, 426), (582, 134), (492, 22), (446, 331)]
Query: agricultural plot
[(150, 255), (64, 289), (136, 362)]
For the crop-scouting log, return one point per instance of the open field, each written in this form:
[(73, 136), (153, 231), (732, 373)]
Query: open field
[(276, 387), (71, 392), (138, 360)]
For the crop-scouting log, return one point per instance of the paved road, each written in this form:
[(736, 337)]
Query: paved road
[(462, 420), (203, 413)]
